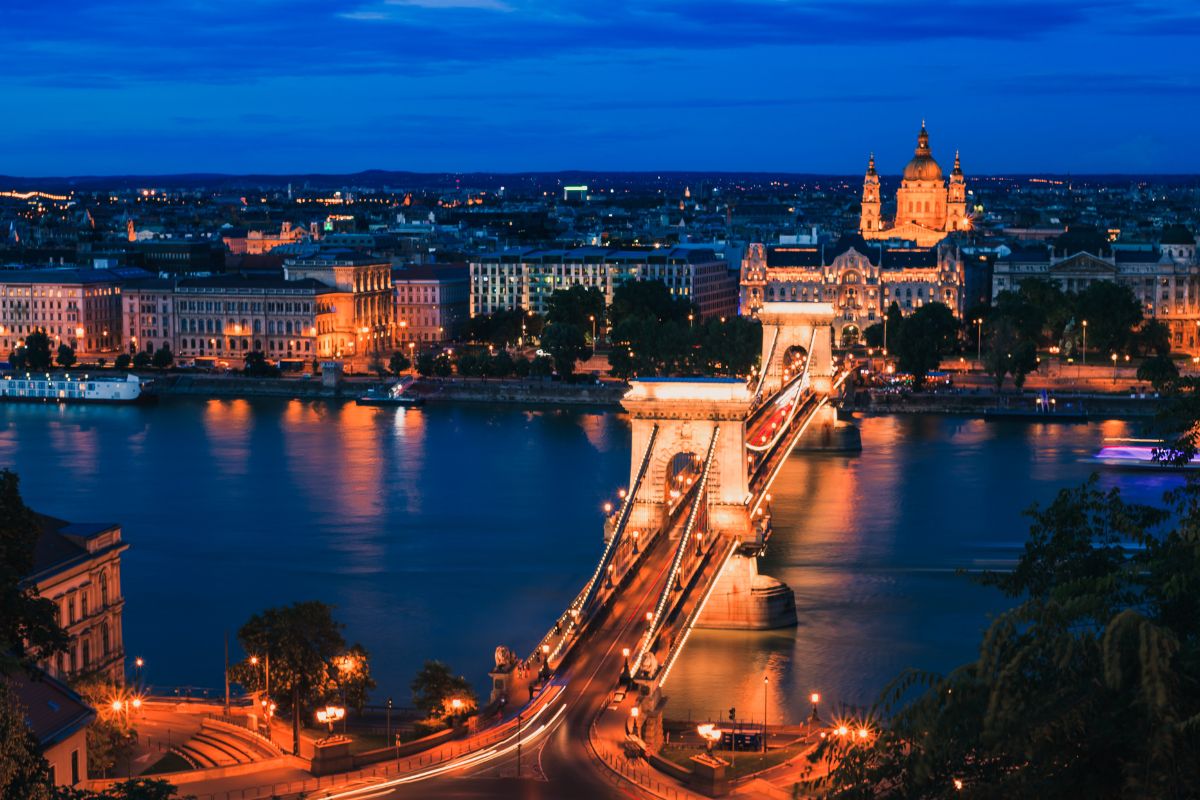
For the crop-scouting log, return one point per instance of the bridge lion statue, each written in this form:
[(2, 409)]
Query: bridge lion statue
[(505, 658)]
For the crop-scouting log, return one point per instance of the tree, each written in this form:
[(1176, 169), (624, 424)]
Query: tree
[(257, 366), (577, 306), (924, 337), (29, 628), (132, 789), (566, 344), (111, 737), (1154, 336), (353, 675), (123, 361), (24, 773), (1049, 306), (636, 299), (65, 357), (163, 357), (426, 364), (17, 359), (727, 347), (301, 641), (541, 367), (37, 351), (398, 363), (1089, 686), (141, 359), (435, 685), (1112, 312), (1023, 361), (376, 365), (1158, 370), (500, 365)]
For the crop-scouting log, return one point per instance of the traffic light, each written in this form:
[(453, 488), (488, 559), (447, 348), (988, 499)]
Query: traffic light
[(732, 714)]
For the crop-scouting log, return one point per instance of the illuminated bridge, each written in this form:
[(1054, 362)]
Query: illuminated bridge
[(680, 552)]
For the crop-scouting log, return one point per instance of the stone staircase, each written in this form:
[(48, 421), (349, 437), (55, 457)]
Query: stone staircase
[(221, 743)]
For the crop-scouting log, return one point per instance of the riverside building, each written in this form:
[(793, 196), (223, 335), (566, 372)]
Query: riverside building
[(859, 279), (77, 307), (525, 278), (432, 302)]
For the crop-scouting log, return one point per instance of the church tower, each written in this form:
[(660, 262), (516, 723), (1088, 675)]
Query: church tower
[(870, 218), (956, 199)]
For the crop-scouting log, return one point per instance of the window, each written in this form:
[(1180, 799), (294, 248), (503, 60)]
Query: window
[(104, 589), (104, 641), (74, 767)]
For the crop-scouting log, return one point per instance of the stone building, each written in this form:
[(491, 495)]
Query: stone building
[(525, 278), (361, 321), (77, 565), (73, 306), (927, 207), (432, 302), (1165, 277), (860, 279), (59, 719)]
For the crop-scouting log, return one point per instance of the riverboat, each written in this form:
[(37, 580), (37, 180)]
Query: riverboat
[(1139, 454), (71, 388), (391, 396)]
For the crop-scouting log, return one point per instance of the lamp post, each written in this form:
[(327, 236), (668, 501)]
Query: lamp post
[(329, 715), (631, 727), (979, 342), (1085, 343), (815, 698), (766, 680), (389, 719), (1114, 360), (625, 676)]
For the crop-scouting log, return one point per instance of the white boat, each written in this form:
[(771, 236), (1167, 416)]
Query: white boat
[(1139, 454), (71, 388)]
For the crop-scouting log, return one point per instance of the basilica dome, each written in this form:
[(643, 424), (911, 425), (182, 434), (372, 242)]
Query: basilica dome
[(923, 166)]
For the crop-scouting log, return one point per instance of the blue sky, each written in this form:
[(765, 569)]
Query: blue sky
[(152, 86)]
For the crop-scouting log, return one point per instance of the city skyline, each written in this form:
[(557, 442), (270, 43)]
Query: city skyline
[(125, 87)]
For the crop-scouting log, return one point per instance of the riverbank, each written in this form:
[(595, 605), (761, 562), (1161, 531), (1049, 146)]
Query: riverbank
[(1064, 406), (467, 390)]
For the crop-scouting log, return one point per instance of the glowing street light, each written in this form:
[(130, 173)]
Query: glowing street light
[(329, 715), (710, 733)]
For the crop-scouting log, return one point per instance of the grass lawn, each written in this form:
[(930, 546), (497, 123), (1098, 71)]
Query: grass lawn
[(742, 763)]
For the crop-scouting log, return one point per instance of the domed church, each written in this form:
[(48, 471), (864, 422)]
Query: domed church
[(927, 208)]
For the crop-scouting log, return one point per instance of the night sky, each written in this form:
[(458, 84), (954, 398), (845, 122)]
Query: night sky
[(154, 86)]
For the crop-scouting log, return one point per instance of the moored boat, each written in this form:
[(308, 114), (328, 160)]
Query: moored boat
[(71, 388), (1139, 454), (394, 395)]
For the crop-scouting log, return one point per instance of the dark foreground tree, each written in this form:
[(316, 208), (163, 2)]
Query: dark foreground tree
[(37, 351), (65, 357), (1088, 687)]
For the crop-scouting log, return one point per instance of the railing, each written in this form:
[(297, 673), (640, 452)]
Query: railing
[(697, 610), (762, 370), (700, 501)]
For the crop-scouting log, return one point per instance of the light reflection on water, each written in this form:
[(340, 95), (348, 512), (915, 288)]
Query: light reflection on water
[(445, 531)]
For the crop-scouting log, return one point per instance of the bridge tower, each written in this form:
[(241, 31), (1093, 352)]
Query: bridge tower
[(788, 333), (686, 411)]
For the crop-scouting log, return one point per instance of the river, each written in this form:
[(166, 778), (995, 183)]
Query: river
[(445, 531)]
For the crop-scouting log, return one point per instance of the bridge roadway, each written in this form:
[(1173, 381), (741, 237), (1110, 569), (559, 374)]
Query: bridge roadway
[(556, 761)]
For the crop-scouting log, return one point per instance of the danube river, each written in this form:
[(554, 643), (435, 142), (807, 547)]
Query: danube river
[(445, 531)]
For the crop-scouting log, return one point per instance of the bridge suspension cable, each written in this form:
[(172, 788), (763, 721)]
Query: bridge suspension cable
[(590, 591), (790, 394), (700, 502), (762, 370)]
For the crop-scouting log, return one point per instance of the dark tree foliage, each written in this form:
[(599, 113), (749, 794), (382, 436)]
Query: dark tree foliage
[(504, 328), (566, 344), (24, 773), (163, 357), (123, 361), (398, 363), (1153, 337), (302, 641), (29, 628), (1112, 312), (133, 789), (435, 685), (577, 306), (923, 338), (141, 359), (1088, 687), (37, 351), (426, 364), (1159, 371), (647, 299), (65, 357), (257, 366)]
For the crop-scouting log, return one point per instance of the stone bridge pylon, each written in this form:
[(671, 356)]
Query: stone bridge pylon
[(686, 411)]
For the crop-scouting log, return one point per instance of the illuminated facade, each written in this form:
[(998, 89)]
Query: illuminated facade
[(253, 242), (927, 207), (78, 567), (147, 311), (1164, 278), (77, 307), (431, 302), (526, 278), (859, 279), (361, 320), (228, 316)]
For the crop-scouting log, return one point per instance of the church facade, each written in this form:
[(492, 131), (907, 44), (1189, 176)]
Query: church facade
[(860, 279), (927, 206)]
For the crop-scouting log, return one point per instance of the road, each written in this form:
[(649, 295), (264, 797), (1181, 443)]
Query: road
[(555, 761)]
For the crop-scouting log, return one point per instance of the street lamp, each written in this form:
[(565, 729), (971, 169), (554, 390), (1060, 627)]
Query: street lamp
[(766, 680), (1085, 342), (710, 733), (815, 698), (329, 715), (1114, 360), (631, 727), (978, 339), (626, 677)]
